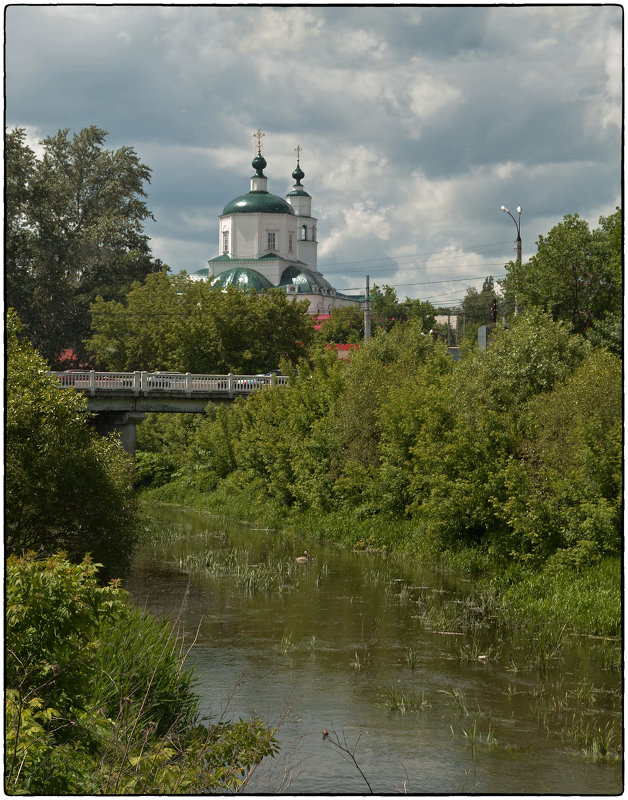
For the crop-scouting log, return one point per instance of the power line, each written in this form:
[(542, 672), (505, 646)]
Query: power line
[(427, 283), (407, 267), (417, 255)]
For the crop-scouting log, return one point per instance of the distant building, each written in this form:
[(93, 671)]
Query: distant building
[(266, 241)]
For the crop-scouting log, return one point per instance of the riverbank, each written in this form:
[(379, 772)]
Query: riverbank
[(586, 601), (385, 651)]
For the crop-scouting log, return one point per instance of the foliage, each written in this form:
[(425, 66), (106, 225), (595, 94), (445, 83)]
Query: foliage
[(458, 464), (487, 453), (65, 486), (98, 700), (387, 309), (479, 308), (565, 489), (172, 323), (74, 230), (575, 274), (345, 326)]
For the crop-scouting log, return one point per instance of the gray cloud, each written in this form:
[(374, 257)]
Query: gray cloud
[(417, 122)]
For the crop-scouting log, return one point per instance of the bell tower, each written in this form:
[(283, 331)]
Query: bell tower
[(301, 202)]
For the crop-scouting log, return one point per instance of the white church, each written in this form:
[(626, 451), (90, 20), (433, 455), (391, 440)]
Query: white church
[(266, 241)]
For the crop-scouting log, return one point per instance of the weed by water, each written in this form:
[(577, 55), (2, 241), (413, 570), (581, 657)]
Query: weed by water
[(286, 645), (402, 701), (593, 737), (477, 650), (458, 699), (475, 737), (411, 657)]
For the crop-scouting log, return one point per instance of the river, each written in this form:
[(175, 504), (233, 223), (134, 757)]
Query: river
[(357, 645)]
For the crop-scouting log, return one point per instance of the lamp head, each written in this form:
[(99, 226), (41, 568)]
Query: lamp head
[(503, 208), (519, 209)]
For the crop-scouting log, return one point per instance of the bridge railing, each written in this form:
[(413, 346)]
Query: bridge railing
[(92, 382)]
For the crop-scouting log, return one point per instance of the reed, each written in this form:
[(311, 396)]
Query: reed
[(411, 657), (402, 701), (286, 645), (594, 738), (475, 737)]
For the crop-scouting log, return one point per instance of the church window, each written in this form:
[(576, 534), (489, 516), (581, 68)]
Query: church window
[(225, 241), (270, 241), (304, 233), (290, 242)]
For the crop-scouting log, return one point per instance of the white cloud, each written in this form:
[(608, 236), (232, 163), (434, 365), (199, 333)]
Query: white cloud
[(416, 123)]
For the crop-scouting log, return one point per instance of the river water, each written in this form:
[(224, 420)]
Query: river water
[(348, 648)]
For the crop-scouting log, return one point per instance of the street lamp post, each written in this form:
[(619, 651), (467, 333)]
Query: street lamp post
[(518, 239)]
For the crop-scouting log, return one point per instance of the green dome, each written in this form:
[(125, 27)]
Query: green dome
[(258, 203), (305, 279), (242, 278), (200, 274)]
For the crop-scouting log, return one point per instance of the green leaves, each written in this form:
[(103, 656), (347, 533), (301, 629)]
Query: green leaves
[(66, 487), (98, 700), (172, 323), (75, 231), (575, 273), (515, 450)]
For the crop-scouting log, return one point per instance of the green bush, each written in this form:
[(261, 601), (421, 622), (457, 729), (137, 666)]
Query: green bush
[(98, 700), (66, 487)]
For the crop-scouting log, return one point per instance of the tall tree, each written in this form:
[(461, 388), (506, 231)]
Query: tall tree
[(387, 309), (74, 231), (171, 322), (575, 273)]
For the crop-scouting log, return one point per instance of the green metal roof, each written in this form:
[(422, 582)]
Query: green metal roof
[(242, 278), (258, 203), (305, 279)]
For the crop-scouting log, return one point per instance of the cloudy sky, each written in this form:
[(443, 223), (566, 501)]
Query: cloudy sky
[(416, 123)]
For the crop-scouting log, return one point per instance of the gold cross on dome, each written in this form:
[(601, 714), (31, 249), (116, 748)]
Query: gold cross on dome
[(259, 136), (298, 149)]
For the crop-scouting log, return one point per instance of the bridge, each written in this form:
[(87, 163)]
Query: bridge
[(120, 400)]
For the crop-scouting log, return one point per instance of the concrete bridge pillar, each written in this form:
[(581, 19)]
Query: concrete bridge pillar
[(122, 423)]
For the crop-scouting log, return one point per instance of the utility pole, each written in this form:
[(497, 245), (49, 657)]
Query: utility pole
[(367, 312)]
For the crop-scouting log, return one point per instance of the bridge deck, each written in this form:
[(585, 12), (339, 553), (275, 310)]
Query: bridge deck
[(158, 391)]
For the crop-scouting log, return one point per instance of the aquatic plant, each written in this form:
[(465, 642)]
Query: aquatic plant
[(287, 644), (597, 739), (401, 700), (474, 736), (411, 657)]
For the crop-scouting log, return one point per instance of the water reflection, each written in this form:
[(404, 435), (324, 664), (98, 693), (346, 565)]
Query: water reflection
[(346, 648)]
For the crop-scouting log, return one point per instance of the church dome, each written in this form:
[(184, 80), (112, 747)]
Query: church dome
[(258, 203), (305, 279), (241, 278)]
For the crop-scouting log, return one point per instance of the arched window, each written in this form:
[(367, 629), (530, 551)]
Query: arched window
[(225, 241), (304, 233)]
